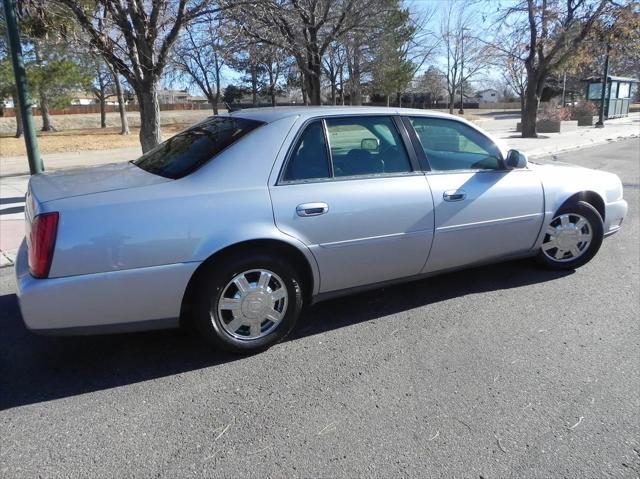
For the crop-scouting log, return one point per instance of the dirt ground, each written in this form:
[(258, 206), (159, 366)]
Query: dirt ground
[(80, 140), (82, 132)]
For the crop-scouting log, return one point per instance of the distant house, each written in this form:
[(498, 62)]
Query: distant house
[(196, 99), (82, 98), (488, 96), (170, 97)]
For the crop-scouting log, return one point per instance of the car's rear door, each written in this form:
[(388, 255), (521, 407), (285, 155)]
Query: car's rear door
[(353, 192), (482, 210)]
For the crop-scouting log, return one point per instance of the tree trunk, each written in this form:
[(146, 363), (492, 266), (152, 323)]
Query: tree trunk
[(388, 100), (354, 78), (44, 111), (124, 121), (452, 99), (529, 114), (16, 108), (312, 79), (217, 97), (150, 134), (214, 103), (254, 86), (341, 86), (103, 108)]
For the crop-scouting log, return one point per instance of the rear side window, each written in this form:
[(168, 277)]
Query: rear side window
[(357, 146), (189, 150), (452, 145), (309, 160)]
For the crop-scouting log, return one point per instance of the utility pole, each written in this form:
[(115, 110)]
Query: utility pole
[(564, 87), (603, 94), (15, 48)]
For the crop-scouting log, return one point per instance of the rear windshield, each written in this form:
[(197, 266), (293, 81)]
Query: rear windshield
[(192, 148)]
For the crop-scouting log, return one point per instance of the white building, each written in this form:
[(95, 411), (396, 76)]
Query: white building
[(488, 96)]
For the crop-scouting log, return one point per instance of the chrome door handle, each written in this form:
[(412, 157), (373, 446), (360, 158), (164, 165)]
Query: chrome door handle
[(454, 195), (312, 209)]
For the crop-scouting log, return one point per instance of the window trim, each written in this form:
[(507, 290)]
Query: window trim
[(397, 123), (422, 154)]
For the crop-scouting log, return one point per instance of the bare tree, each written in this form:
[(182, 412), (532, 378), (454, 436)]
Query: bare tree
[(465, 54), (135, 38), (102, 84), (122, 108), (555, 31), (274, 63), (333, 66), (431, 86), (199, 58), (304, 30), (507, 52)]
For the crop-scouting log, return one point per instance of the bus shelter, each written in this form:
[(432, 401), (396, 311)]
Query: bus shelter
[(618, 94)]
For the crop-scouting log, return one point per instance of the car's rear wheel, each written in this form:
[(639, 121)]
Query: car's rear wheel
[(573, 237), (246, 303)]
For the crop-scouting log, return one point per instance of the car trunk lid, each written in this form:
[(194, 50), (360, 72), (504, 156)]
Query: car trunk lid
[(85, 181)]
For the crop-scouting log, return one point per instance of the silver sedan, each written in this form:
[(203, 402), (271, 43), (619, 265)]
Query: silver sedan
[(235, 223)]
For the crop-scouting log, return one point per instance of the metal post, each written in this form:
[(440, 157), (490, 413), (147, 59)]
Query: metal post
[(603, 94), (30, 140), (564, 87), (461, 110)]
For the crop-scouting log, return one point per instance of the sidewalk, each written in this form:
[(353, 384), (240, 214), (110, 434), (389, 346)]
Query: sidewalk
[(553, 143), (14, 171)]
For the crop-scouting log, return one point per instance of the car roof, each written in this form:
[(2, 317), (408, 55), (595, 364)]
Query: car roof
[(271, 114)]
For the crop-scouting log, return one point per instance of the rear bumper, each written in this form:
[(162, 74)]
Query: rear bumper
[(116, 301), (614, 215)]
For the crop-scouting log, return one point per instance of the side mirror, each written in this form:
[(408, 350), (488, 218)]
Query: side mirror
[(515, 159), (369, 144)]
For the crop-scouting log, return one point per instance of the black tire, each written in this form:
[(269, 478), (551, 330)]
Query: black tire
[(212, 284), (594, 219)]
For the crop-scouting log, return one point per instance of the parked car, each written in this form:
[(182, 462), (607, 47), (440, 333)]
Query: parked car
[(239, 220)]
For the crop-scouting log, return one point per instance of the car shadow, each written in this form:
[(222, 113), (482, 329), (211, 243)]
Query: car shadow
[(39, 368)]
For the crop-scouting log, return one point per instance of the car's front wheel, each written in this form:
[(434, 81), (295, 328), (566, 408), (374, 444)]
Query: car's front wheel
[(573, 237), (248, 302)]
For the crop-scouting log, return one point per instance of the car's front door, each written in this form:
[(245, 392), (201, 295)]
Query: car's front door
[(482, 210), (352, 192)]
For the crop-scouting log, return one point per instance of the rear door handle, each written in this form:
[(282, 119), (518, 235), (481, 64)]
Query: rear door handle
[(454, 195), (312, 209)]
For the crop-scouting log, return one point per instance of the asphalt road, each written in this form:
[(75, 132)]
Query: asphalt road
[(501, 371)]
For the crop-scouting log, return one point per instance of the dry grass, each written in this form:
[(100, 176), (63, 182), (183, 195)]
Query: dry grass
[(80, 140)]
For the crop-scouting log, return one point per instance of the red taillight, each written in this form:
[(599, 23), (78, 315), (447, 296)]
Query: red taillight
[(41, 242)]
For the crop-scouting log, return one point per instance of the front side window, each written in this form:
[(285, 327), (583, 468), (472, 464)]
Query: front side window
[(366, 146), (189, 150), (452, 145)]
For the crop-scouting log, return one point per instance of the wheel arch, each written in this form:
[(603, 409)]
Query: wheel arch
[(591, 197), (300, 261)]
